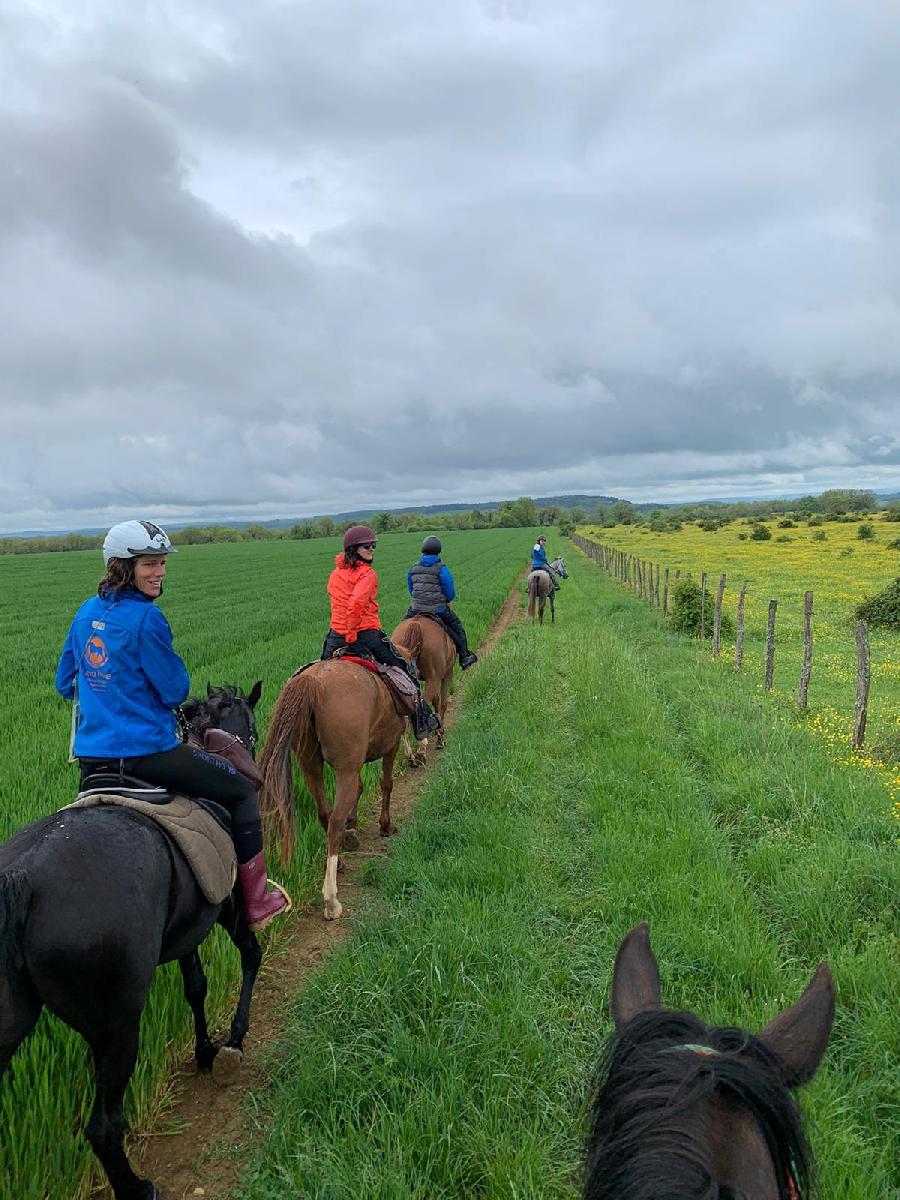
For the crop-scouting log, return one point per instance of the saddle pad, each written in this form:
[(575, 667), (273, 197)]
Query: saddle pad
[(207, 848), (403, 692)]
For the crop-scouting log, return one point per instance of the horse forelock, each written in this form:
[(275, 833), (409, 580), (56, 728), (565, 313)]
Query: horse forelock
[(647, 1087)]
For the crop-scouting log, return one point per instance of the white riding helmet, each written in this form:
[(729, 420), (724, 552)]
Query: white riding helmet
[(132, 538)]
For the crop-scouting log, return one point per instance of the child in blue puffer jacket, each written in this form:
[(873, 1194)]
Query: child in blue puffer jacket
[(432, 588)]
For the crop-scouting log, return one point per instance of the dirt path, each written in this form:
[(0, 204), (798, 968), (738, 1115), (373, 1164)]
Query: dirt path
[(202, 1140)]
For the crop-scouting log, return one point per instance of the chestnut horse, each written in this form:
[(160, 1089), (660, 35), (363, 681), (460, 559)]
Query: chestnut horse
[(428, 644), (338, 713), (685, 1109)]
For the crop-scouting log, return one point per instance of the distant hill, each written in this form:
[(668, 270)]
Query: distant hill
[(577, 500)]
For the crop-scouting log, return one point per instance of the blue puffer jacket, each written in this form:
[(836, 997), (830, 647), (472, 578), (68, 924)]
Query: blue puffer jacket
[(538, 556), (119, 648), (445, 579)]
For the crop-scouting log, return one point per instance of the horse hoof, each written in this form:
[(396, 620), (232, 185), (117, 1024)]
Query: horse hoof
[(389, 832), (350, 840), (227, 1066), (333, 909)]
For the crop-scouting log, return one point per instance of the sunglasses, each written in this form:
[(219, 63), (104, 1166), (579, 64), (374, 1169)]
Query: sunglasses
[(367, 545)]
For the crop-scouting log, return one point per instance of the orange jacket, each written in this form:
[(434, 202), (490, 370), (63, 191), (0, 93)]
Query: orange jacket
[(353, 592)]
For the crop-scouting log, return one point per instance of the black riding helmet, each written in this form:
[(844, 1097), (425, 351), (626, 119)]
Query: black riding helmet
[(431, 545)]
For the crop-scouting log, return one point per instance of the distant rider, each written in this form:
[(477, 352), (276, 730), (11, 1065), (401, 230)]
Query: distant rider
[(118, 652), (539, 561), (353, 590), (432, 589)]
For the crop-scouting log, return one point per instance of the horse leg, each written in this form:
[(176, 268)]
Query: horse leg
[(552, 610), (351, 837), (408, 753), (442, 706), (115, 1053), (227, 1063), (315, 781), (195, 989), (19, 1010), (387, 786), (345, 792)]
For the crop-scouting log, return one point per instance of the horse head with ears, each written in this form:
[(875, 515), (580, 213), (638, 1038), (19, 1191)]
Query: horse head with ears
[(684, 1110)]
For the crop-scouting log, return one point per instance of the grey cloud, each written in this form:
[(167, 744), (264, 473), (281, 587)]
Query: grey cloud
[(288, 259)]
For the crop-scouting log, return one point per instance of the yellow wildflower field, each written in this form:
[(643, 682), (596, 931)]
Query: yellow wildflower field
[(840, 571)]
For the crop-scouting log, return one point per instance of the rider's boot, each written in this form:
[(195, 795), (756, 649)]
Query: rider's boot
[(424, 721), (468, 660), (260, 905)]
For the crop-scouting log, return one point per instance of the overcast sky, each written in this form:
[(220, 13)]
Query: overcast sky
[(281, 258)]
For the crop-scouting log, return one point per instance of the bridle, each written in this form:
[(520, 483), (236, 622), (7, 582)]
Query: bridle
[(190, 733)]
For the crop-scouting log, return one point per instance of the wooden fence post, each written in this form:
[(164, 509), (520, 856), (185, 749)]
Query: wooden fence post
[(806, 668), (717, 619), (739, 634), (703, 606), (862, 684), (770, 646), (665, 605)]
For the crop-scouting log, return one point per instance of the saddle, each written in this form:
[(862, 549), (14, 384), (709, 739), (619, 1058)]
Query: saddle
[(404, 692), (199, 828)]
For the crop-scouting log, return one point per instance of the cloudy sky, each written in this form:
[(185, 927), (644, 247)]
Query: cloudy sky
[(302, 256)]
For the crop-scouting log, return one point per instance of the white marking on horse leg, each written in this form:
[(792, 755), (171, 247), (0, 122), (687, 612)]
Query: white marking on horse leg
[(333, 908)]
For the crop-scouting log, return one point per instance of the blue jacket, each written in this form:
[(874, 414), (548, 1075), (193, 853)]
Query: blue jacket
[(119, 649), (445, 579), (538, 556)]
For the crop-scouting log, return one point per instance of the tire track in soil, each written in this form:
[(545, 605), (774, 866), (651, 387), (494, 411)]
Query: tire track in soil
[(202, 1139)]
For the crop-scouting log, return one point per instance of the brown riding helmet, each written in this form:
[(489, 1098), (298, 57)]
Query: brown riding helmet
[(358, 535)]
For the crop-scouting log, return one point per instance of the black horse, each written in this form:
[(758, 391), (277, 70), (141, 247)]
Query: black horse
[(688, 1111), (91, 900)]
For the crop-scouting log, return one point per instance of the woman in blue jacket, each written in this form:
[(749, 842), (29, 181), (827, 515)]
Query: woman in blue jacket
[(539, 561), (119, 664)]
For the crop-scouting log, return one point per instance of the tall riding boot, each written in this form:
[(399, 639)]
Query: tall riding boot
[(260, 906), (424, 721)]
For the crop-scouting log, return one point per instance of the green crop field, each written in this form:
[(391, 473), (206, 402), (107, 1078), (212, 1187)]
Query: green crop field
[(603, 772), (841, 570), (239, 612)]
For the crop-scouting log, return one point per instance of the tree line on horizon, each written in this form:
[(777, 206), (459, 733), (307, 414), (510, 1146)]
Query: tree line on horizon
[(833, 504)]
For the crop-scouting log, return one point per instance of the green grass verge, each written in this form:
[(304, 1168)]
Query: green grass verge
[(602, 773)]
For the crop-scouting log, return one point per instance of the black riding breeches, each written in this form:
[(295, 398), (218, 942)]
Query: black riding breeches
[(375, 641), (191, 771), (454, 627)]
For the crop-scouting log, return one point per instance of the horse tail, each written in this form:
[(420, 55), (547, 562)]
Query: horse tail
[(291, 721), (532, 593), (410, 638), (15, 898)]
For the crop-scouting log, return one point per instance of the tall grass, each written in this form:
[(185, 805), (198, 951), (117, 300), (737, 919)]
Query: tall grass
[(601, 774), (239, 613)]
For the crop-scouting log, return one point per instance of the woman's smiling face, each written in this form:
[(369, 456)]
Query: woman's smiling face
[(149, 573)]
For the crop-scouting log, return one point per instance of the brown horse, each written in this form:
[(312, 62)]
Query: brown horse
[(338, 713), (540, 589), (429, 645)]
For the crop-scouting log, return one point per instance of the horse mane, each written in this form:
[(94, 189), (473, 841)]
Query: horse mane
[(644, 1085)]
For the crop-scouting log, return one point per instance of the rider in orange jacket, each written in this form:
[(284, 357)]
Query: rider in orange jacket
[(353, 590)]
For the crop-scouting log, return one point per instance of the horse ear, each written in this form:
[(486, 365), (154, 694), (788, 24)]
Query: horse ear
[(799, 1035), (255, 693), (635, 981), (209, 690)]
